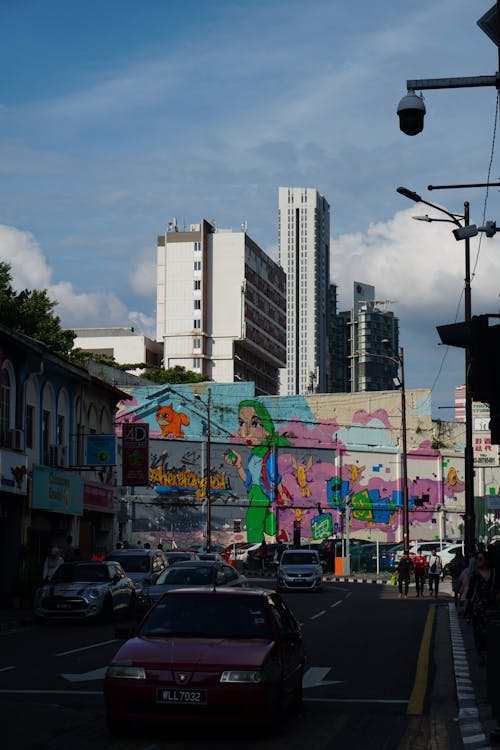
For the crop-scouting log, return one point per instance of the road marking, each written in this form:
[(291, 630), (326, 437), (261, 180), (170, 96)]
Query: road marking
[(318, 614), (6, 669), (51, 692), (86, 648), (417, 697), (94, 674), (398, 701), (314, 677), (336, 604)]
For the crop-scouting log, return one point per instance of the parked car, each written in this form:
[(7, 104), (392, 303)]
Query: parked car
[(143, 566), (198, 573), (178, 555), (84, 590), (300, 569), (229, 656), (209, 556)]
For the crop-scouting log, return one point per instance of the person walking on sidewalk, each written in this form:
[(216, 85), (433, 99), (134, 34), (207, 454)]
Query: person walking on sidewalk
[(435, 571), (482, 596), (456, 566), (420, 569), (405, 567)]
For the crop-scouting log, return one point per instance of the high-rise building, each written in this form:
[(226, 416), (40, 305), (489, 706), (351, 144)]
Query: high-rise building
[(220, 306), (304, 254), (364, 344)]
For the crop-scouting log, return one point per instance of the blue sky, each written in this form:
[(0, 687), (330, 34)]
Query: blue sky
[(117, 116)]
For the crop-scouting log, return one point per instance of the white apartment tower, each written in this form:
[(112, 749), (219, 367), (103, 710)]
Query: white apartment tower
[(304, 254), (220, 307)]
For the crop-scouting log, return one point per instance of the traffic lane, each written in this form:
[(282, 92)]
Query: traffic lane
[(56, 657), (363, 642)]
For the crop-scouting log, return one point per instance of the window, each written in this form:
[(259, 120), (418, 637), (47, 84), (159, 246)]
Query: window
[(5, 402), (197, 265), (30, 425), (46, 435), (60, 430), (196, 363), (197, 304), (197, 284), (196, 343), (197, 323)]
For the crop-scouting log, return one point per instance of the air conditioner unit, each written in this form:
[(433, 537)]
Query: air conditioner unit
[(12, 439)]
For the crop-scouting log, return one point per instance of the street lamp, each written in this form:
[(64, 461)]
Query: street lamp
[(462, 232), (399, 360), (208, 470)]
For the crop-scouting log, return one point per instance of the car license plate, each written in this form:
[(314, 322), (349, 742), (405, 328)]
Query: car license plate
[(174, 695), (63, 605)]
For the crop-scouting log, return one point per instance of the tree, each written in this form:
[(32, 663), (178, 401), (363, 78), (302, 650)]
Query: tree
[(32, 313), (177, 374)]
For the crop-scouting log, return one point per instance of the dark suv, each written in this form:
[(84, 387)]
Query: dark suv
[(143, 566)]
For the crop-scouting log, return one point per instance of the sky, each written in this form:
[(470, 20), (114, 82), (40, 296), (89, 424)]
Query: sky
[(117, 116)]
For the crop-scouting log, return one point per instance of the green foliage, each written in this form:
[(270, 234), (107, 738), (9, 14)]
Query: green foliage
[(173, 375), (32, 313)]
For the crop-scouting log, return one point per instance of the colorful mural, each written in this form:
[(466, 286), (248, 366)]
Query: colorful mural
[(294, 462)]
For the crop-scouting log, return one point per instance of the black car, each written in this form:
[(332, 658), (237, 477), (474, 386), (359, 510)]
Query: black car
[(143, 566)]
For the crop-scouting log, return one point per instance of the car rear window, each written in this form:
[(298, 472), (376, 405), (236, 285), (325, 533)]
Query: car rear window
[(195, 576), (299, 558), (133, 563), (209, 616)]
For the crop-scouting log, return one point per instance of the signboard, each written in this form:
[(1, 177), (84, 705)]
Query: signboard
[(135, 454), (13, 472), (101, 450), (98, 497), (493, 502), (57, 491), (485, 454)]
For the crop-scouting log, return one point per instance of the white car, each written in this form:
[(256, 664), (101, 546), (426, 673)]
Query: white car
[(300, 569), (447, 553)]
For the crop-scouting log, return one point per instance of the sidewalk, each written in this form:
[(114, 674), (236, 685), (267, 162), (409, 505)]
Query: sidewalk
[(15, 618)]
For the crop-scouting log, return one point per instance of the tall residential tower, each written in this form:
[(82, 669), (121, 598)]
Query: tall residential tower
[(304, 254)]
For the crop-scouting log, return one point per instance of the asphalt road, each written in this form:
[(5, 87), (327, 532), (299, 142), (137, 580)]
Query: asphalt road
[(364, 669)]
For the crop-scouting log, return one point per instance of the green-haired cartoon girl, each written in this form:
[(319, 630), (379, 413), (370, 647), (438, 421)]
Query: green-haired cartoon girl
[(261, 478)]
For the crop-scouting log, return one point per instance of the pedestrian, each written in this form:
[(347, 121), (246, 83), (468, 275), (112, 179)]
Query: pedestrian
[(405, 566), (482, 596), (435, 570), (420, 570), (263, 554), (53, 560), (456, 566), (159, 546), (147, 545), (68, 551), (125, 544)]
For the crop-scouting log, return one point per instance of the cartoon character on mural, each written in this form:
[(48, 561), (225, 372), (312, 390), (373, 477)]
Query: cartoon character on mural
[(301, 475), (171, 422), (261, 479)]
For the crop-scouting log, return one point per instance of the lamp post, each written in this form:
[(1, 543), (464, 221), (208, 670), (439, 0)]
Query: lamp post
[(464, 231), (208, 471), (399, 360)]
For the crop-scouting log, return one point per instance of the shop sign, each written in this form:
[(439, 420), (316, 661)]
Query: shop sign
[(97, 497), (13, 472), (135, 454), (101, 450), (57, 491)]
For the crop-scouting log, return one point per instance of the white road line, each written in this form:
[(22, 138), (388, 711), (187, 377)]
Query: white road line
[(86, 648), (336, 604), (51, 692), (6, 669), (318, 614)]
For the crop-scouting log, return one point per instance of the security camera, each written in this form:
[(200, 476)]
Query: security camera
[(411, 111)]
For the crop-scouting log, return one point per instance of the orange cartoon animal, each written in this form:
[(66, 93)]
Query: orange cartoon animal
[(171, 422), (301, 475)]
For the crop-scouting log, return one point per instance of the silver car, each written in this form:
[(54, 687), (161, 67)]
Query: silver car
[(85, 590), (190, 573), (300, 569)]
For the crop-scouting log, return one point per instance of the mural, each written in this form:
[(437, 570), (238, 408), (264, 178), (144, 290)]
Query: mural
[(291, 463)]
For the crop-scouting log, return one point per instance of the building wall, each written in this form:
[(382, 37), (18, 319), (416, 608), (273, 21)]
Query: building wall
[(304, 254), (123, 344)]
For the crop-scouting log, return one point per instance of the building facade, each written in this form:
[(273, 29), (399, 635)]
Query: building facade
[(220, 306), (49, 485), (364, 344), (304, 254), (122, 344)]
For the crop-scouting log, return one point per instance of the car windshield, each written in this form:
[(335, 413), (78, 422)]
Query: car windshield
[(133, 563), (84, 573), (201, 575), (208, 616), (299, 558), (178, 557)]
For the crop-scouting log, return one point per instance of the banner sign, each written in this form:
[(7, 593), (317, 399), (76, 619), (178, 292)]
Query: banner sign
[(101, 450), (135, 454), (57, 491)]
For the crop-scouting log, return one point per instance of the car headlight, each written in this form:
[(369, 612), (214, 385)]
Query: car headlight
[(319, 570), (124, 671), (94, 592), (242, 675)]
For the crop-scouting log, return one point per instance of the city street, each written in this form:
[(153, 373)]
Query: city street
[(364, 686)]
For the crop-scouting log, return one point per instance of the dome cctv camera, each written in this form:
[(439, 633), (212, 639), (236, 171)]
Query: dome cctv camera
[(411, 111)]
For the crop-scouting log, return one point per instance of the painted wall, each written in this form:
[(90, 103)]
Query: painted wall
[(282, 462)]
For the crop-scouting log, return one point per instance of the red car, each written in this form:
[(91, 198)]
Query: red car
[(208, 656)]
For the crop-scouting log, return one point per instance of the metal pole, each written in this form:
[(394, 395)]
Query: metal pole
[(347, 566), (406, 519), (470, 518), (275, 488), (209, 475)]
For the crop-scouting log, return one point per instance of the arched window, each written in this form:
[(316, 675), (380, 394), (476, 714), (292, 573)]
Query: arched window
[(5, 406)]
